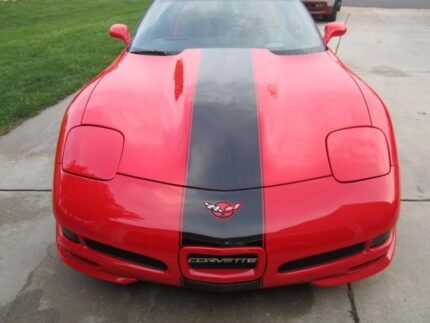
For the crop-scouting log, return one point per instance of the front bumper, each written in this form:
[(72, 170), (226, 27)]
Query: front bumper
[(301, 220), (105, 267)]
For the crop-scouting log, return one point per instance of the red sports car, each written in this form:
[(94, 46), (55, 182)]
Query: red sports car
[(227, 148)]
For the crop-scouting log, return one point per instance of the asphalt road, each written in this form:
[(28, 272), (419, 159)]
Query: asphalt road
[(415, 4)]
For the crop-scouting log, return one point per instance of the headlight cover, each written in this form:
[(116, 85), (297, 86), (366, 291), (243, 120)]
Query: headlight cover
[(358, 154), (93, 152)]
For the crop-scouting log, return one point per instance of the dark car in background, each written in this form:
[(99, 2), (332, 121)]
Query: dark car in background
[(327, 9)]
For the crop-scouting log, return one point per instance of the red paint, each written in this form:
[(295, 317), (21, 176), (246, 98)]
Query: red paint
[(314, 96), (378, 111), (75, 111), (73, 116), (126, 213), (120, 31), (318, 216), (93, 152), (303, 103), (140, 99), (334, 29), (358, 154)]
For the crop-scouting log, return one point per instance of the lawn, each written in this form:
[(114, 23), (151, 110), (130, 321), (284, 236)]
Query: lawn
[(51, 48)]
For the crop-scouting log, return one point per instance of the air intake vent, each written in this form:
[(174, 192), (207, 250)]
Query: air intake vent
[(379, 241), (70, 235), (126, 255), (321, 258)]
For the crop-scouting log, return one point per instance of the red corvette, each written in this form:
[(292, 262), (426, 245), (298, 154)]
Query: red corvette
[(227, 148)]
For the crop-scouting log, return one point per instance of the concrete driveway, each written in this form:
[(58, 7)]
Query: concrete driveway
[(390, 49)]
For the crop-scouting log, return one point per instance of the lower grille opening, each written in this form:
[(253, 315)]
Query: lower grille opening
[(321, 258), (222, 288), (380, 240), (125, 255), (70, 235)]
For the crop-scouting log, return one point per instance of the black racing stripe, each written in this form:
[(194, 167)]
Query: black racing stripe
[(201, 228), (224, 153), (224, 146)]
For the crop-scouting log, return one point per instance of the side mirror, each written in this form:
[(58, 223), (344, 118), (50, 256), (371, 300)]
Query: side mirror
[(334, 29), (120, 31)]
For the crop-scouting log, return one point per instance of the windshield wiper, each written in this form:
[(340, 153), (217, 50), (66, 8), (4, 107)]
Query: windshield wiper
[(154, 52)]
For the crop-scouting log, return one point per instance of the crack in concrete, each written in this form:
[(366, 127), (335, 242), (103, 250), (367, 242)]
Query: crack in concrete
[(6, 309), (353, 310), (416, 200), (340, 40)]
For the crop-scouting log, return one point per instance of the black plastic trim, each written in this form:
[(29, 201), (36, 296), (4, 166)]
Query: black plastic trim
[(193, 239), (70, 235), (126, 255), (222, 288), (380, 240), (321, 258)]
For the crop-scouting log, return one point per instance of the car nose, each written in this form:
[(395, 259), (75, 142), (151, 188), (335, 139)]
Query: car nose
[(222, 265)]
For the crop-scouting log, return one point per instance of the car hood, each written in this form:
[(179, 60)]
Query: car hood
[(226, 119)]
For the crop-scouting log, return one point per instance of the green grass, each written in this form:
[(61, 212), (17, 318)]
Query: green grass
[(51, 48)]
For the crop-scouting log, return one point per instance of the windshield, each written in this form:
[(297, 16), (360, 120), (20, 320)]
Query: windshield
[(282, 26)]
